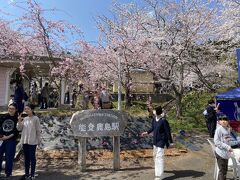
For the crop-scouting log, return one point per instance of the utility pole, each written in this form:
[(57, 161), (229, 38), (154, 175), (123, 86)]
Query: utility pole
[(119, 82)]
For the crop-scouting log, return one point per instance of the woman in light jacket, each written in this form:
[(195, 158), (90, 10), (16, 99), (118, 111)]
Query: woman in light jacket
[(31, 130)]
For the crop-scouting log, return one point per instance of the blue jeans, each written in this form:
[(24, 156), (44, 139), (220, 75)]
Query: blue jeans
[(29, 158), (8, 148)]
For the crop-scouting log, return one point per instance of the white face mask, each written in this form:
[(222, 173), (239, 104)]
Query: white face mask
[(154, 112)]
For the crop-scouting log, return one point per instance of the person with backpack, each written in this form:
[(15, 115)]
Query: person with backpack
[(211, 118)]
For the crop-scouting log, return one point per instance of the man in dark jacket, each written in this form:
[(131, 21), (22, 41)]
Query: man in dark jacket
[(19, 95), (161, 137), (211, 118)]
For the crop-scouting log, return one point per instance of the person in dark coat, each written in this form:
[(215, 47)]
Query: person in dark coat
[(161, 137), (211, 118), (44, 96), (19, 95)]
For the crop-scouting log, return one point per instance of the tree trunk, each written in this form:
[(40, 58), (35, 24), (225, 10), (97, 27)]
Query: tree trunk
[(179, 111), (128, 99), (179, 91)]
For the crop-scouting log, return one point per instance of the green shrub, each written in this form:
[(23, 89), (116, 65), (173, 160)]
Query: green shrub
[(194, 104)]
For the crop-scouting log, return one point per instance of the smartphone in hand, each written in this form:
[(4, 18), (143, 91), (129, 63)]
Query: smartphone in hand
[(23, 115)]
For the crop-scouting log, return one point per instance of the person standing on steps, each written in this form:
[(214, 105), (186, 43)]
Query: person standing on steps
[(44, 96), (19, 94), (161, 137), (106, 99)]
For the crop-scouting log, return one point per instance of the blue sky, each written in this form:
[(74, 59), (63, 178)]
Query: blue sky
[(77, 12)]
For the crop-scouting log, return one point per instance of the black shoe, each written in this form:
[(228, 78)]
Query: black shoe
[(7, 177), (24, 177)]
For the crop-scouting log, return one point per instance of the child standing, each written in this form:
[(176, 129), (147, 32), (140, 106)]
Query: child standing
[(223, 148), (31, 129)]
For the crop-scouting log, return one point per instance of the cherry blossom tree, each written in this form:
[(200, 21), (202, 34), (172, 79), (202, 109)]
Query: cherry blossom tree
[(180, 50), (37, 38), (173, 40), (229, 29), (230, 16), (45, 37)]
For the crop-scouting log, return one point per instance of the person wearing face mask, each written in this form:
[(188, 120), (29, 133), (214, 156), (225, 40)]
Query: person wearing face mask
[(31, 130), (8, 136), (161, 138)]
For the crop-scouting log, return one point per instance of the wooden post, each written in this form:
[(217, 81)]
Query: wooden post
[(82, 153), (116, 153)]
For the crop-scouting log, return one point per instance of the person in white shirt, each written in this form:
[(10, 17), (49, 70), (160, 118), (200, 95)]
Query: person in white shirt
[(31, 129)]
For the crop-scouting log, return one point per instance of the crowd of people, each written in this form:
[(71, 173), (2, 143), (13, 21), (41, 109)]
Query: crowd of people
[(14, 122), (224, 137), (48, 97), (99, 99), (40, 97)]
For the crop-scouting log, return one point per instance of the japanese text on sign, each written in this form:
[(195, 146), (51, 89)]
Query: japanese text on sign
[(99, 127)]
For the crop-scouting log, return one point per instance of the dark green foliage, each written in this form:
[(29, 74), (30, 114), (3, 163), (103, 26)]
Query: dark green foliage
[(194, 104)]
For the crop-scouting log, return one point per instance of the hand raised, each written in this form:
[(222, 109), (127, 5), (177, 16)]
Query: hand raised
[(20, 118), (144, 134)]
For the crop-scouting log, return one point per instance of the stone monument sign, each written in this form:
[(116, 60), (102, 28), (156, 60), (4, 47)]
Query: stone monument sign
[(94, 123)]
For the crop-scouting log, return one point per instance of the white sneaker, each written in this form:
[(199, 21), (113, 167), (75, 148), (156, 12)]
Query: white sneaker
[(157, 178)]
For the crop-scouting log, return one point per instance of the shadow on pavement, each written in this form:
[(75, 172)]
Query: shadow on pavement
[(52, 176), (184, 174)]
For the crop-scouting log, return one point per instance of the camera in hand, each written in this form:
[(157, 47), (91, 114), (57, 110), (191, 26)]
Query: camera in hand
[(24, 115)]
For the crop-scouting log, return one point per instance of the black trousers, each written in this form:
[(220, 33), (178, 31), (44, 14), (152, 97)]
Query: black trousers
[(223, 167), (44, 103), (29, 158), (211, 128)]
